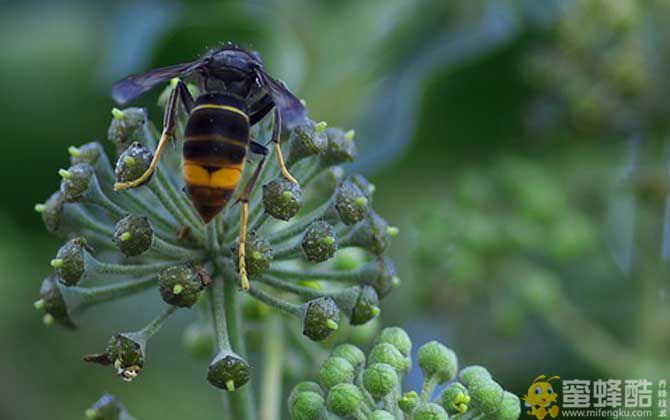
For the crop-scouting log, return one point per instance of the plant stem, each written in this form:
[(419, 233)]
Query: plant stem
[(272, 301), (89, 296), (155, 325), (271, 387), (243, 397)]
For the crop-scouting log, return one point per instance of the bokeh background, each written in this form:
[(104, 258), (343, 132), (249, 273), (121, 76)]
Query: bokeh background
[(522, 148)]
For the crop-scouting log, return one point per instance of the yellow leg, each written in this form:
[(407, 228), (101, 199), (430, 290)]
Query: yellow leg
[(152, 167), (241, 253), (282, 166)]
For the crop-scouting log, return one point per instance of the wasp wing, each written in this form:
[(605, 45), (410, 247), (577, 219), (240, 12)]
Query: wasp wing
[(290, 108), (125, 90)]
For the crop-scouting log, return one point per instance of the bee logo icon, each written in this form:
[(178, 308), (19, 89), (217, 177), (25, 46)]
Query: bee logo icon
[(541, 398)]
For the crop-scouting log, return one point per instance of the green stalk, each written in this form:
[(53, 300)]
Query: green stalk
[(242, 397), (271, 387)]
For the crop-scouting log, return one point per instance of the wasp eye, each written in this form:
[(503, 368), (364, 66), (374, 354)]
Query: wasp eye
[(550, 391), (537, 390)]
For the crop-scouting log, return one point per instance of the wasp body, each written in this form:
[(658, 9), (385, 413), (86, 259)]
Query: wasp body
[(236, 94)]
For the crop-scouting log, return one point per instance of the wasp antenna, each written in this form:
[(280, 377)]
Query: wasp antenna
[(539, 377)]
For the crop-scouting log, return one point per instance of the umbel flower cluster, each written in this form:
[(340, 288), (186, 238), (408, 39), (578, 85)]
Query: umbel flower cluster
[(351, 385), (120, 243)]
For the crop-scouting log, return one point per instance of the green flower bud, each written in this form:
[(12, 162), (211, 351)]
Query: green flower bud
[(510, 407), (321, 318), (75, 181), (341, 148), (381, 415), (366, 307), (107, 407), (350, 353), (429, 411), (398, 338), (486, 395), (335, 370), (228, 371), (437, 361), (408, 402), (88, 153), (344, 399), (132, 163), (127, 127), (371, 234), (387, 353), (180, 285), (351, 203), (125, 352), (383, 276), (133, 235), (319, 242), (258, 254), (473, 374), (69, 262), (306, 140), (51, 300), (52, 212), (198, 339), (282, 199), (380, 379), (349, 259), (307, 405), (305, 386), (455, 398)]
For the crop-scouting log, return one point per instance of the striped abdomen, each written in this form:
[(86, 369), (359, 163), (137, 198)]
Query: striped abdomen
[(215, 145)]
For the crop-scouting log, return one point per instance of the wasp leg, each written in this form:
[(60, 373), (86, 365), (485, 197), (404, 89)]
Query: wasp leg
[(257, 148), (276, 131), (244, 214), (260, 109), (169, 122)]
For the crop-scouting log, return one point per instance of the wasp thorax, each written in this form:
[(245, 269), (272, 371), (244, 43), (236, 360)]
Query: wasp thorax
[(133, 235), (126, 127), (319, 242), (180, 285), (282, 199), (132, 163), (70, 261), (320, 319), (228, 371), (75, 181)]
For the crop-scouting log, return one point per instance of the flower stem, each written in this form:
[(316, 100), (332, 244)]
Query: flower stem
[(215, 294), (271, 387), (155, 325), (291, 288), (90, 296), (300, 225), (242, 398), (266, 298)]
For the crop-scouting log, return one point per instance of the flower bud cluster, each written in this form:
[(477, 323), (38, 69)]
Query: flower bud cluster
[(150, 237), (351, 385)]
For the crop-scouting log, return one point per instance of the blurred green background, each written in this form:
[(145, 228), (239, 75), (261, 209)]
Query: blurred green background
[(521, 147)]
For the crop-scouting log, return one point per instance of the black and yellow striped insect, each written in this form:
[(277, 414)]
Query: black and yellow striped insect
[(236, 94)]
